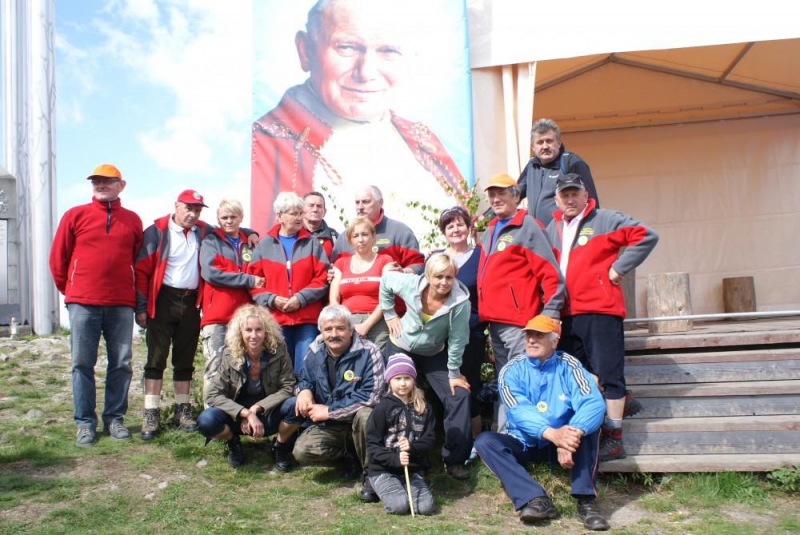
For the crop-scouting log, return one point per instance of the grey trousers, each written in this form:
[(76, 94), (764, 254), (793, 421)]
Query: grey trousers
[(391, 489)]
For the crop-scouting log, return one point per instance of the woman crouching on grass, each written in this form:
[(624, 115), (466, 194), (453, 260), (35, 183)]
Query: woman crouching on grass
[(248, 393), (400, 434)]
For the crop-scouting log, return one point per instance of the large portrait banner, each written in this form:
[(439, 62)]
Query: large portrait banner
[(350, 93)]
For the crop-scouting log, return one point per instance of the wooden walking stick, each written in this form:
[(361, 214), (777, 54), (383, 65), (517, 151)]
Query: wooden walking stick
[(408, 487)]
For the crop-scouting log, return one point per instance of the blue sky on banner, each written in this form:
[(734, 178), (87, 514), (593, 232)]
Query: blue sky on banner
[(162, 90)]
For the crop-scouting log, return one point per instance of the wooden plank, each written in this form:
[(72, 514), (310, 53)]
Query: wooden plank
[(693, 443), (700, 463), (755, 388), (746, 355), (690, 407), (722, 339), (790, 422), (713, 372)]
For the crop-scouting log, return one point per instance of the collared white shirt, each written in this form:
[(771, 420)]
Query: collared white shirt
[(568, 231), (183, 269)]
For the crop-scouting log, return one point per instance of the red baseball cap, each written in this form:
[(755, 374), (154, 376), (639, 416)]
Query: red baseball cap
[(190, 196), (105, 170)]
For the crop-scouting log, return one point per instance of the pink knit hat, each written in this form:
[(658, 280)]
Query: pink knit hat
[(400, 364)]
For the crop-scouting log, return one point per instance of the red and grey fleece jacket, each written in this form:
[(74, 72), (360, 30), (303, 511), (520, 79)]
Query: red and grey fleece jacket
[(151, 264), (224, 268), (518, 276), (600, 236), (93, 254), (304, 275), (392, 238)]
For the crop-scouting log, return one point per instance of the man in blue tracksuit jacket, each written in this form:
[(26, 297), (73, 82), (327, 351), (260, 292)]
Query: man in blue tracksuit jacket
[(553, 409)]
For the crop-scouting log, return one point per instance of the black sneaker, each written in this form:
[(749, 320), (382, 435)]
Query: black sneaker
[(367, 493), (282, 454), (590, 513), (537, 509), (234, 451)]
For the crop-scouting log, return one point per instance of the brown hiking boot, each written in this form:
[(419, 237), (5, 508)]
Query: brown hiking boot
[(632, 405), (150, 425), (182, 417), (611, 444)]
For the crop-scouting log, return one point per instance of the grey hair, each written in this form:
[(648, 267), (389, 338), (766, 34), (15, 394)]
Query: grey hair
[(376, 193), (545, 125), (335, 311), (554, 337), (514, 190), (287, 200), (314, 21)]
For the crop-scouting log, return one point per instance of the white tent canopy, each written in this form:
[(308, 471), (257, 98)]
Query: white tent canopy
[(689, 122)]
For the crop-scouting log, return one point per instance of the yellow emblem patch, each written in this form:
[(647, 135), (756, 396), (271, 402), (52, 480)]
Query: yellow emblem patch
[(583, 240), (541, 406), (349, 375), (501, 246), (247, 254), (382, 241)]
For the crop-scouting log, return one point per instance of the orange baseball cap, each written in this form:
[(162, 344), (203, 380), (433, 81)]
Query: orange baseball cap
[(105, 170), (501, 181), (543, 324)]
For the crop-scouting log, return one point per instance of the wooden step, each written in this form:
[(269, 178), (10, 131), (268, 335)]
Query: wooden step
[(701, 463), (758, 369), (635, 341), (775, 423), (711, 442), (748, 355), (754, 388), (694, 407)]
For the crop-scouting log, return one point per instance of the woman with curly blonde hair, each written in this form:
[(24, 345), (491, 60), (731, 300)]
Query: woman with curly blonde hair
[(249, 392)]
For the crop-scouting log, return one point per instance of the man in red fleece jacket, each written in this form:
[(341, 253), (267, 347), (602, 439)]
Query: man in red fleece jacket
[(91, 261)]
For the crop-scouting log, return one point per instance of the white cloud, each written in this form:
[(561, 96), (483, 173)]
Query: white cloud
[(200, 51)]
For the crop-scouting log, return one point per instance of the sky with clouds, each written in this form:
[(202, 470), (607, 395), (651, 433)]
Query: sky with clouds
[(161, 89)]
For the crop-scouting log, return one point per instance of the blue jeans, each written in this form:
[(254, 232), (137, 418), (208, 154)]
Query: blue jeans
[(212, 421), (87, 324), (298, 338)]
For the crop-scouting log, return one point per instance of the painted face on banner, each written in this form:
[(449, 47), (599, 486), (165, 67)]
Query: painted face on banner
[(356, 60)]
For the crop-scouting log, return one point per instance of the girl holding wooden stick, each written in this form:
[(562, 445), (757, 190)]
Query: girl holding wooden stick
[(399, 438)]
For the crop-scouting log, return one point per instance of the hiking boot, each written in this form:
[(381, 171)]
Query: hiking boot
[(457, 471), (351, 468), (611, 445), (282, 453), (367, 493), (182, 417), (590, 513), (150, 424), (117, 431), (537, 509), (86, 437), (632, 405), (233, 450)]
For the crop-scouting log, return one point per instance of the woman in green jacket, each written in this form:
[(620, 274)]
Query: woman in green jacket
[(434, 332)]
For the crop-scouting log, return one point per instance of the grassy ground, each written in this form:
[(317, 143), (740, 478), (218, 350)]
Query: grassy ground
[(174, 485)]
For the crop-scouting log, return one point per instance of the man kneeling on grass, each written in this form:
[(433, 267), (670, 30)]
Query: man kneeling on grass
[(553, 407)]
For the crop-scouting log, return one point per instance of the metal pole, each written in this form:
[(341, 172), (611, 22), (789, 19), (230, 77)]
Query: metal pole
[(724, 316)]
